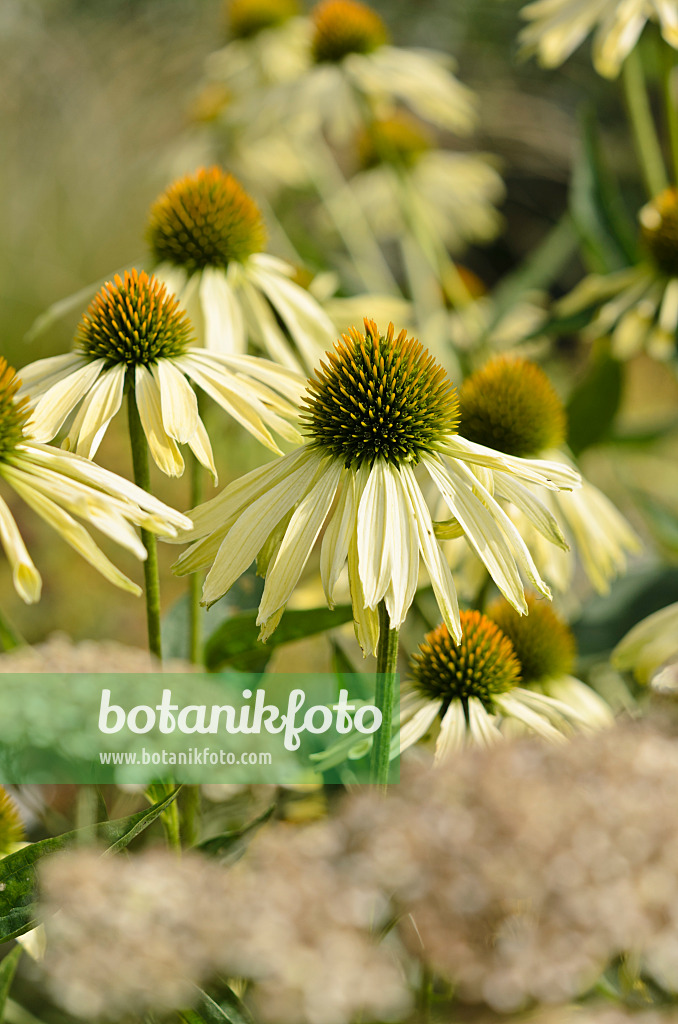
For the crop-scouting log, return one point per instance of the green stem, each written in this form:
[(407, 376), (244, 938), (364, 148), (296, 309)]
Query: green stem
[(648, 148), (10, 638), (670, 104), (142, 478), (190, 814), (387, 656), (424, 994), (195, 579)]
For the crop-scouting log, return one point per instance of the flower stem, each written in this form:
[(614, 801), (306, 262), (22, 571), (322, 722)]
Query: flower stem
[(190, 815), (648, 149), (671, 103), (195, 579), (142, 478), (387, 656), (10, 638)]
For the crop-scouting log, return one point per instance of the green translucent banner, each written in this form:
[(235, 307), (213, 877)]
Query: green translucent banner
[(218, 728)]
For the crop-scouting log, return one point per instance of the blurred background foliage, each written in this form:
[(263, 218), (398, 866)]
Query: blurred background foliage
[(95, 97)]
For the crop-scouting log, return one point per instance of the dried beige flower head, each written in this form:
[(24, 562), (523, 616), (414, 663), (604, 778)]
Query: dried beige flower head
[(526, 869)]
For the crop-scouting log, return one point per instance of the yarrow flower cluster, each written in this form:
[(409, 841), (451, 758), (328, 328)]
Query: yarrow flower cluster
[(136, 336), (377, 410), (59, 486)]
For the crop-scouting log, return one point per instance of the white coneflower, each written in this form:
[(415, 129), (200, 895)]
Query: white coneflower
[(638, 306), (267, 44), (510, 404), (472, 688), (650, 645), (407, 185), (354, 67), (558, 27), (377, 408), (546, 649), (58, 486), (207, 237), (136, 336)]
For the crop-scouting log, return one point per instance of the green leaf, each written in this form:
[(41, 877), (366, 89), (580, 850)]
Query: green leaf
[(235, 642), (662, 521), (229, 1010), (594, 403), (243, 595), (227, 842), (18, 872), (607, 234), (7, 971)]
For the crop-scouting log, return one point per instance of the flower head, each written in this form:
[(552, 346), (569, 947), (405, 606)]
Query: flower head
[(133, 320), (136, 335), (378, 409), (482, 665), (14, 412), (473, 688), (543, 642), (379, 397), (399, 139), (341, 27), (511, 405), (205, 219), (246, 18), (58, 486), (207, 236), (546, 650), (659, 227)]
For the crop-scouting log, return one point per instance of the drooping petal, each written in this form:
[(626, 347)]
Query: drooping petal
[(247, 536), (337, 536), (374, 528), (437, 567), (300, 536), (55, 404), (75, 535), (97, 410), (25, 576), (452, 735), (224, 323), (420, 723), (178, 403), (554, 475), (163, 448)]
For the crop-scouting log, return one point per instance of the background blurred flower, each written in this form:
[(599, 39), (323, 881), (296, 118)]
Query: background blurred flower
[(409, 186), (638, 306), (355, 68), (546, 649), (557, 27), (511, 405), (207, 237)]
